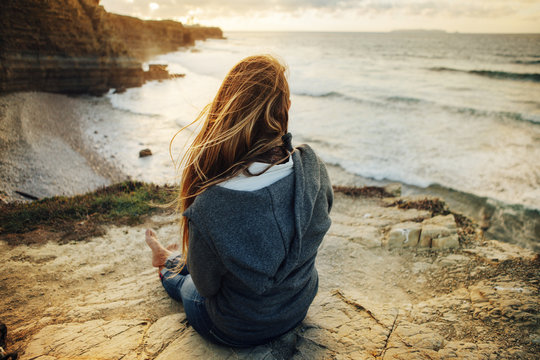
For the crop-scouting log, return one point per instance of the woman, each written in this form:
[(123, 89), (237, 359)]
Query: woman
[(255, 211)]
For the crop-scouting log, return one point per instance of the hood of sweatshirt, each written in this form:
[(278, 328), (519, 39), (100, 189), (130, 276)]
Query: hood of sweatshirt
[(265, 237)]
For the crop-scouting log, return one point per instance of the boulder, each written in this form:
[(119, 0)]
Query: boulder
[(145, 153), (447, 221), (439, 232), (404, 234)]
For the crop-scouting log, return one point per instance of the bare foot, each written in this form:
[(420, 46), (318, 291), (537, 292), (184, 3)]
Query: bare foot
[(159, 253)]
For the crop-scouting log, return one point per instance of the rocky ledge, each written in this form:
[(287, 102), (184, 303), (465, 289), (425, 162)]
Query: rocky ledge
[(379, 297)]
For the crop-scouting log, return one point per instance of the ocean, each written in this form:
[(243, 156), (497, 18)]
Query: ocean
[(427, 109)]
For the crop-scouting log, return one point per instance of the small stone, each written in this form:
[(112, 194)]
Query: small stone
[(448, 242), (393, 189), (145, 153), (403, 235), (431, 231)]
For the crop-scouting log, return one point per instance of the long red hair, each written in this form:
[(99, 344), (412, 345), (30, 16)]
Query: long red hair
[(246, 119)]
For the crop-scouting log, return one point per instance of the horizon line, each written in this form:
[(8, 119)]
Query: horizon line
[(382, 31)]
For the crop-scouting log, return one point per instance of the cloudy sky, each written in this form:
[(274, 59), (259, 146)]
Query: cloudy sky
[(493, 16)]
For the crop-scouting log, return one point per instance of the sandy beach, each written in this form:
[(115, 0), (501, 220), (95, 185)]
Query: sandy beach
[(43, 152)]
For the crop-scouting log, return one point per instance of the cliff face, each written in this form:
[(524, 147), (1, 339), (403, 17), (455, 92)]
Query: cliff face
[(62, 46), (203, 33), (145, 39), (75, 46)]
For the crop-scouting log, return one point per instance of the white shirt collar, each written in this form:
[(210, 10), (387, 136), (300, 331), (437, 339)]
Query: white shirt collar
[(251, 183)]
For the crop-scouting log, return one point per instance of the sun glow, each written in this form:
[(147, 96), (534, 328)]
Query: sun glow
[(484, 16)]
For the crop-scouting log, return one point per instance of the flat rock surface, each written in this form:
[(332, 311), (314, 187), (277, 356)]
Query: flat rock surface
[(101, 299)]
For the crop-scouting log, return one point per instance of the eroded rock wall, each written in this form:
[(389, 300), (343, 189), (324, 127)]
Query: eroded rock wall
[(62, 46), (75, 46), (203, 33), (147, 38)]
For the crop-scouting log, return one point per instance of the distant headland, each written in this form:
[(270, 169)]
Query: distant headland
[(75, 46), (419, 31)]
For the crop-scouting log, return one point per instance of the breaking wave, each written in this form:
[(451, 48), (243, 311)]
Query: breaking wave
[(504, 75)]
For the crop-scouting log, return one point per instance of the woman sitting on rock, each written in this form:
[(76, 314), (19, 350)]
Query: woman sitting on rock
[(255, 211)]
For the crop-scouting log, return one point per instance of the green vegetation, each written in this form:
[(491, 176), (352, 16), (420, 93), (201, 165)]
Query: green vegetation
[(124, 202)]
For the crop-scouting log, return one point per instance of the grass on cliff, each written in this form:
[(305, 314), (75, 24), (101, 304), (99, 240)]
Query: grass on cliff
[(126, 202)]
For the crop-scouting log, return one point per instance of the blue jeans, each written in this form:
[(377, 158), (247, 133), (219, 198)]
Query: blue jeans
[(181, 288)]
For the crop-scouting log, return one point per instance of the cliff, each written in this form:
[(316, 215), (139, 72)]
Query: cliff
[(75, 46), (101, 299), (62, 46), (202, 33), (148, 38), (145, 39)]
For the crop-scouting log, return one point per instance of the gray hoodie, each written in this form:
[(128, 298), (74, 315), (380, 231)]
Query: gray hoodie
[(252, 253)]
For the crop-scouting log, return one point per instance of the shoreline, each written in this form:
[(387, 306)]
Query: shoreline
[(511, 223), (46, 149)]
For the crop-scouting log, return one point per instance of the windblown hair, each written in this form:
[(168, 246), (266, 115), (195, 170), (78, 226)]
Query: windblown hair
[(245, 120)]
